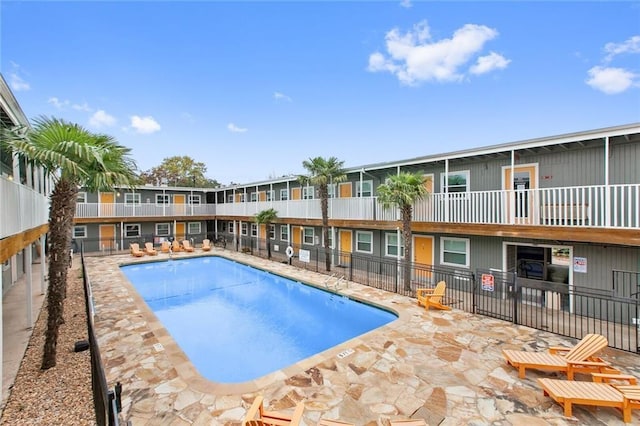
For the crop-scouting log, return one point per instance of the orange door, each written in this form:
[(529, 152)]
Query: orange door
[(107, 204), (345, 247), (422, 254), (522, 201), (180, 231), (296, 236), (296, 194), (345, 189), (107, 235), (262, 196), (262, 235), (178, 201)]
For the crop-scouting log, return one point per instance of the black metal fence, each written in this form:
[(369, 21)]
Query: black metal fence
[(107, 403)]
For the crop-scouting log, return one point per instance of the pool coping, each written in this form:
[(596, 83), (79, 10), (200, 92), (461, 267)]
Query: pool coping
[(188, 372)]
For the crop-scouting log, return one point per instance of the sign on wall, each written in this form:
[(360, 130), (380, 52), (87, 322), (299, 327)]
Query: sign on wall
[(580, 264)]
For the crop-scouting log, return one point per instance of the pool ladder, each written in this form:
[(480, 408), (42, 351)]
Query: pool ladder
[(335, 286)]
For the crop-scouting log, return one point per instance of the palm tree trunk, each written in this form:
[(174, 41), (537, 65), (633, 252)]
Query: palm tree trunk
[(408, 253), (324, 206), (267, 227), (61, 214)]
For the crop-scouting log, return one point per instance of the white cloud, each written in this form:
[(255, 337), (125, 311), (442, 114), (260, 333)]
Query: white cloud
[(17, 83), (611, 80), (492, 61), (281, 97), (144, 125), (406, 4), (235, 129), (413, 57), (101, 119), (57, 102), (631, 45), (82, 107)]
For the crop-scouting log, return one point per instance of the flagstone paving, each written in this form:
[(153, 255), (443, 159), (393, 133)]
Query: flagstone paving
[(443, 366)]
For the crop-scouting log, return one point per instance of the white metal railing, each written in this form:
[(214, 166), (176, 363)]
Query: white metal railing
[(21, 208), (615, 206)]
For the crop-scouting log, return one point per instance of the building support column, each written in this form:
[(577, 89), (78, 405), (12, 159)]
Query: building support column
[(28, 257)]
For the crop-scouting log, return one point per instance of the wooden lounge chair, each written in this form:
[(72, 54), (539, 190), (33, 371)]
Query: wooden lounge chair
[(134, 249), (566, 393), (175, 246), (206, 245), (148, 249), (579, 359), (327, 422), (186, 246), (408, 422), (257, 415), (165, 247), (432, 297)]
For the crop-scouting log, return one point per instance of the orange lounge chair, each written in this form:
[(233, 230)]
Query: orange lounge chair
[(134, 249), (148, 249), (408, 422), (257, 415), (165, 247), (206, 245), (175, 246), (186, 246), (566, 393), (327, 422), (432, 297), (579, 359)]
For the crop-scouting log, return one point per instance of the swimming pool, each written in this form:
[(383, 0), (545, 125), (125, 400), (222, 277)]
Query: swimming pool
[(237, 323)]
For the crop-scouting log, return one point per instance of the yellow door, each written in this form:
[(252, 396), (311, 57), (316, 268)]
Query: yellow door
[(178, 201), (180, 231), (296, 237), (262, 236), (262, 196), (107, 200), (238, 195), (345, 190), (428, 183), (345, 247), (520, 208), (422, 254), (107, 235), (296, 193)]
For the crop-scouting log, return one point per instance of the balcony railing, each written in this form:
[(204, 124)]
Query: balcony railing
[(21, 208), (613, 206)]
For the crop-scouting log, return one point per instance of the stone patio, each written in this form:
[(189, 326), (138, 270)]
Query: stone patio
[(443, 366)]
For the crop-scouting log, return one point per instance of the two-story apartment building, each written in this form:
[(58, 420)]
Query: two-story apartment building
[(562, 208)]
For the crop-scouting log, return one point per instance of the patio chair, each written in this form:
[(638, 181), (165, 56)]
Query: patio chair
[(175, 246), (186, 246), (432, 297), (165, 247), (566, 393), (148, 249), (257, 415), (328, 422), (134, 249), (578, 359), (206, 245), (408, 422)]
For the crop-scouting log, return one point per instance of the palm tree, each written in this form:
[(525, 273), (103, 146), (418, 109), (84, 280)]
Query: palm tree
[(402, 191), (323, 172), (266, 217), (74, 158)]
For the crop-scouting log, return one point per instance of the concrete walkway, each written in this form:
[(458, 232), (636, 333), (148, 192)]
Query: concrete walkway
[(442, 366)]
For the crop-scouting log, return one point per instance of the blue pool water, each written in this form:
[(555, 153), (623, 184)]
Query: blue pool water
[(237, 323)]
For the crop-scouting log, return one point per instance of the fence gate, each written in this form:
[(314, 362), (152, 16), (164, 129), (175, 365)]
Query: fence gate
[(493, 294)]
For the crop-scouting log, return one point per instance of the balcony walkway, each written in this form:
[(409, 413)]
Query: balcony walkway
[(443, 366)]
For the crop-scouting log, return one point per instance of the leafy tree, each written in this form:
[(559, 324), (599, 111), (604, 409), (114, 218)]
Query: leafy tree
[(267, 217), (179, 171), (323, 172), (74, 157), (402, 191)]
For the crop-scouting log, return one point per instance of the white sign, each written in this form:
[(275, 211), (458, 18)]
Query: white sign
[(304, 255), (580, 264)]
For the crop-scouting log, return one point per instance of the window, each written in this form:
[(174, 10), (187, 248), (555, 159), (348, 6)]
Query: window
[(307, 193), (272, 232), (131, 198), (230, 198), (391, 245), (366, 190), (162, 199), (194, 228), (254, 197), (244, 228), (308, 236), (284, 194), (231, 231), (82, 197), (254, 229), (80, 231), (331, 190), (163, 229), (132, 230), (454, 251), (270, 195), (364, 241), (194, 199), (457, 181), (243, 197), (284, 232)]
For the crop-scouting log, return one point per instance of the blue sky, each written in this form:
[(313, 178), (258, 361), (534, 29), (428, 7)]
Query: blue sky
[(254, 88)]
